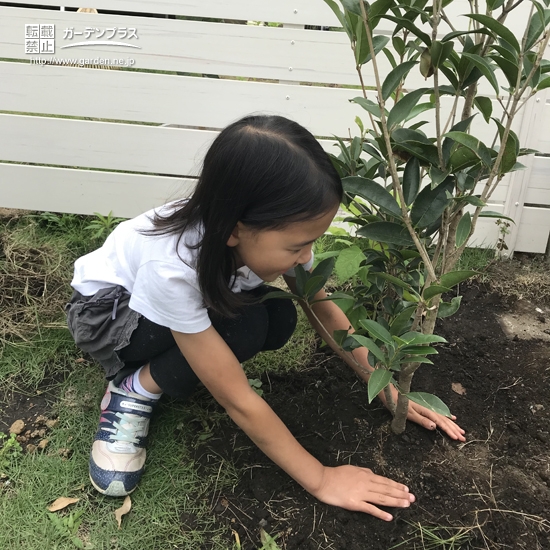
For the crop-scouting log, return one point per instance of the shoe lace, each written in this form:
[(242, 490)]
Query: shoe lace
[(128, 428)]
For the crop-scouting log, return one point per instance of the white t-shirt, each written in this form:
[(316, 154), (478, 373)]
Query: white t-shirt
[(163, 285)]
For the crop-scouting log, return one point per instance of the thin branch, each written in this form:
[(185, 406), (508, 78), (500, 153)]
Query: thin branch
[(393, 169)]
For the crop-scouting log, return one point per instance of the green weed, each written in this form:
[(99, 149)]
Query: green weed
[(102, 226), (10, 450)]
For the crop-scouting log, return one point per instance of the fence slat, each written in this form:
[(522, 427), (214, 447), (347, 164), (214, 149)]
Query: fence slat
[(79, 143), (160, 98), (196, 47), (534, 230), (86, 192)]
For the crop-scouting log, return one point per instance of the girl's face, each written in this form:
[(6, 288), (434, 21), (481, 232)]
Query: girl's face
[(271, 252)]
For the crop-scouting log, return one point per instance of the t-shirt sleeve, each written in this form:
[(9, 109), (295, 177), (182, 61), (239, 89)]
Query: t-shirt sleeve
[(307, 267), (168, 294)]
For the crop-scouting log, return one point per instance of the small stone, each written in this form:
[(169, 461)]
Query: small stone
[(21, 439), (263, 523), (40, 419), (17, 427), (31, 448), (52, 423), (65, 452), (42, 444)]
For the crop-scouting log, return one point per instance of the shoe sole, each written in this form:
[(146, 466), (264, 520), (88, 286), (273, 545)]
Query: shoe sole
[(115, 489)]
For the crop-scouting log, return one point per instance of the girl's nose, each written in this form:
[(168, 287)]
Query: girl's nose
[(305, 256)]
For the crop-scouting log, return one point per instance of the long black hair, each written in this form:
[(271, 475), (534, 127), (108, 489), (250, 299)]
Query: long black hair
[(263, 171)]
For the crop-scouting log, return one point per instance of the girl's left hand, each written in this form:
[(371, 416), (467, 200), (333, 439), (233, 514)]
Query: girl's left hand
[(432, 420), (429, 419)]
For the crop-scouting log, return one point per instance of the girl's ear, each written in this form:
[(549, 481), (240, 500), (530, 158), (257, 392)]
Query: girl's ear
[(234, 238)]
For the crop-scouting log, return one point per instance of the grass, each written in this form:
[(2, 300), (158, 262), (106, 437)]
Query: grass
[(172, 507)]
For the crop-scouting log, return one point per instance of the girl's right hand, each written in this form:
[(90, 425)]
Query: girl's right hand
[(359, 489)]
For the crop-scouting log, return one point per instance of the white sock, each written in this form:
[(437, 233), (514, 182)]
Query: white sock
[(132, 383)]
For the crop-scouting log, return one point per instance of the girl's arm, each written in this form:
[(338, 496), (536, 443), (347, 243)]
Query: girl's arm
[(350, 487), (332, 318)]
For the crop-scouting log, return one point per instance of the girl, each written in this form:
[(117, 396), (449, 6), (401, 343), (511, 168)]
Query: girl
[(172, 298)]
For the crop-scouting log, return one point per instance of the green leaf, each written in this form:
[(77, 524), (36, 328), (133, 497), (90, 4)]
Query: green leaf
[(301, 279), (313, 285), (379, 43), (485, 68), (440, 52), (430, 402), (456, 34), (463, 229), (437, 176), (417, 350), (370, 345), (402, 109), (416, 359), (398, 45), (434, 290), (509, 68), (420, 108), (511, 149), (411, 180), (460, 126), (376, 10), (498, 28), (378, 380), (471, 199), (419, 338), (392, 81), (446, 309), (485, 105), (369, 106), (353, 5), (410, 26), (430, 204), (334, 7), (393, 280), (492, 214), (462, 158), (544, 83), (455, 277), (386, 232), (472, 143), (372, 192), (324, 268), (348, 262), (376, 330), (401, 321)]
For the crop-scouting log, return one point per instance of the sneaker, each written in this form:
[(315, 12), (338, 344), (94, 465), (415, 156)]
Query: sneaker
[(118, 453)]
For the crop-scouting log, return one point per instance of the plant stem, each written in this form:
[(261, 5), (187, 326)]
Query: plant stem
[(398, 189)]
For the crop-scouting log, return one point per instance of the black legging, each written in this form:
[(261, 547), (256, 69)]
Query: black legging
[(260, 327)]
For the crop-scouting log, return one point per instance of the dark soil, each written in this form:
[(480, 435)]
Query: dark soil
[(490, 493)]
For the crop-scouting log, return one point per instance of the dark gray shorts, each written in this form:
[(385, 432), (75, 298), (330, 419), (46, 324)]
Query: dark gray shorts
[(102, 324)]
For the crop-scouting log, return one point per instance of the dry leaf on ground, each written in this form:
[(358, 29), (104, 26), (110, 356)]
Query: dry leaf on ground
[(124, 509), (17, 427), (457, 387), (61, 503)]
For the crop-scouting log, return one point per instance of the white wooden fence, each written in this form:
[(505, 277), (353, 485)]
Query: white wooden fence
[(87, 140)]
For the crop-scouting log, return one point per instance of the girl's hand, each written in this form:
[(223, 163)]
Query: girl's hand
[(359, 489), (432, 420), (429, 419)]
